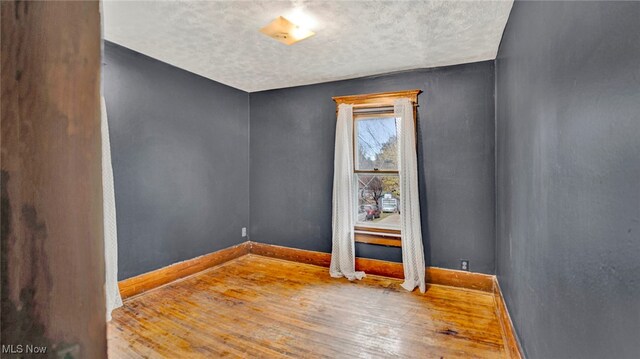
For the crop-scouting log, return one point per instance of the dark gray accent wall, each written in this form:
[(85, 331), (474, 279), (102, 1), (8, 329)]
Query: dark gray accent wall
[(568, 180), (292, 149), (180, 152)]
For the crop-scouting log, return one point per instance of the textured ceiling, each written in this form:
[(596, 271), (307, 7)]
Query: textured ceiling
[(221, 39)]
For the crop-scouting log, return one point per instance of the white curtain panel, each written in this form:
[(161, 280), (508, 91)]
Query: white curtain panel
[(110, 229), (343, 262), (412, 249)]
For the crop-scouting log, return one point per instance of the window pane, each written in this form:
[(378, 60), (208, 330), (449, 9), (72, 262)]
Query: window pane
[(378, 202), (376, 143)]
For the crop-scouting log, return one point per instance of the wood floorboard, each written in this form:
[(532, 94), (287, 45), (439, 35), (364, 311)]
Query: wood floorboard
[(255, 306)]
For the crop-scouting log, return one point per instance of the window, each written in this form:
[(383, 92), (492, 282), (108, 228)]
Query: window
[(375, 166), (376, 171)]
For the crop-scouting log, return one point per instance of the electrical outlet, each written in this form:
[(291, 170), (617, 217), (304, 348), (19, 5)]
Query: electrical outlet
[(244, 231), (464, 264)]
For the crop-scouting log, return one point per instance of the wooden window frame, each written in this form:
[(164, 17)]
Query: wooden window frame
[(378, 236)]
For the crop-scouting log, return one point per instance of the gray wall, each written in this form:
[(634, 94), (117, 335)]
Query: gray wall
[(292, 148), (568, 158), (180, 152)]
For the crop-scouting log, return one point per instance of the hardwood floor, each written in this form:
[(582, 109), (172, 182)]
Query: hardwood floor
[(255, 306)]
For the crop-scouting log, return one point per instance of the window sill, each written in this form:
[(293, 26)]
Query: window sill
[(380, 240)]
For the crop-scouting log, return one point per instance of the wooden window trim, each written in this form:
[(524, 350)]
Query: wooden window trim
[(380, 99), (378, 236), (378, 240), (382, 231)]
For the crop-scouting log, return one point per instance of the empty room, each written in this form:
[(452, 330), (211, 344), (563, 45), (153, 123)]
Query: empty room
[(320, 179)]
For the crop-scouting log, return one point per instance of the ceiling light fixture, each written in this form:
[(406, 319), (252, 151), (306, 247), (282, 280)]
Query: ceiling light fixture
[(285, 31), (302, 18)]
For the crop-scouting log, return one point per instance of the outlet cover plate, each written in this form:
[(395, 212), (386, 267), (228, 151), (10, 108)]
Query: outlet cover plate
[(464, 265)]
